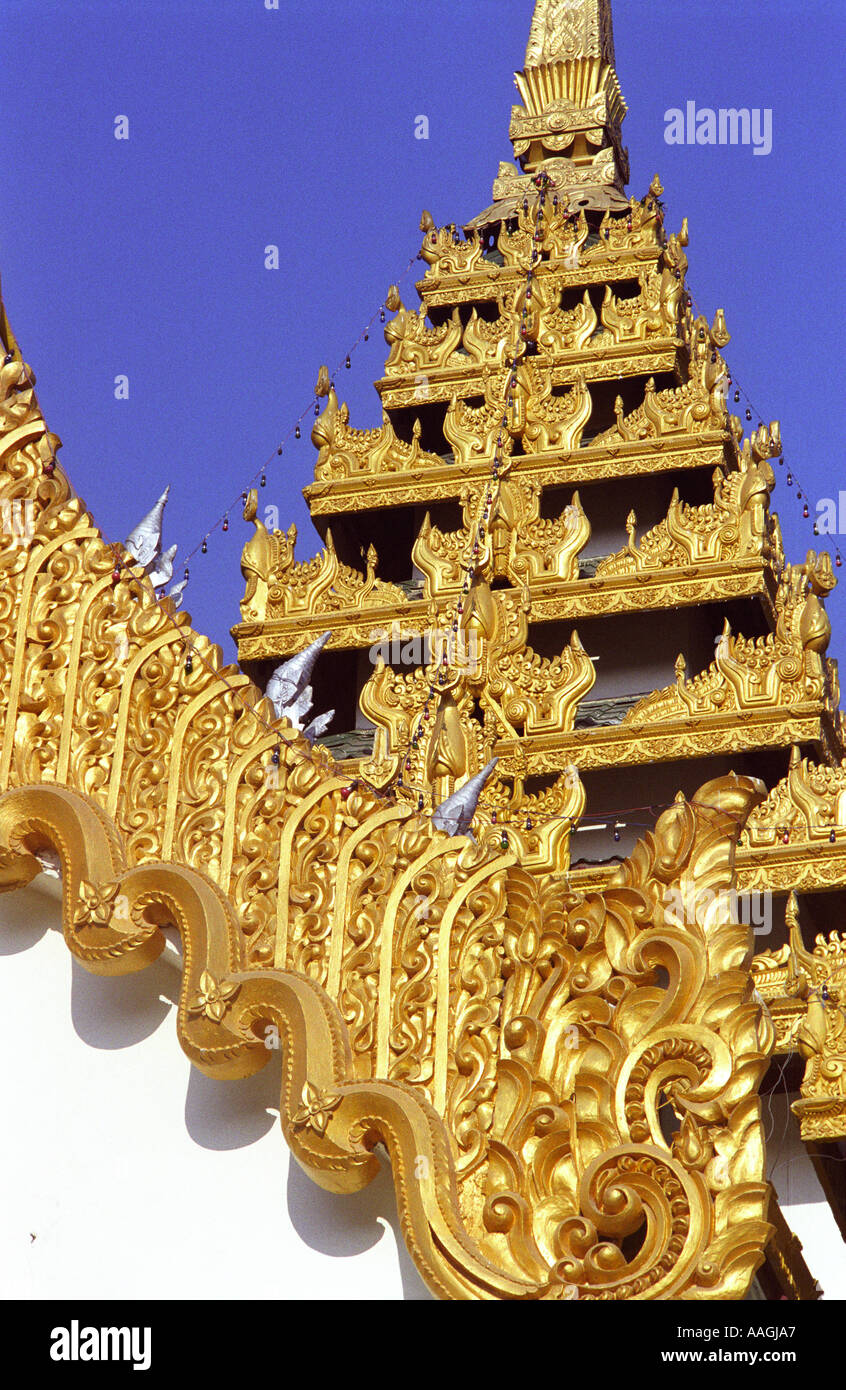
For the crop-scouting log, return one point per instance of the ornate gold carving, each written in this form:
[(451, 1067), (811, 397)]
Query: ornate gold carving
[(555, 331), (570, 29), (483, 683), (697, 405), (641, 231), (624, 359), (424, 989), (571, 99), (440, 480), (414, 347), (808, 806), (547, 1096), (446, 254), (547, 232), (594, 264), (770, 970), (734, 527), (784, 668), (344, 452), (279, 587), (602, 171), (819, 978), (543, 421), (518, 544), (212, 997), (316, 1109)]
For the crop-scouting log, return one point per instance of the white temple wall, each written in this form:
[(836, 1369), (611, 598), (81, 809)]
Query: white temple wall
[(126, 1173), (802, 1199)]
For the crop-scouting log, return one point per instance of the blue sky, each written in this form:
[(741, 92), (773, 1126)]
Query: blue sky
[(250, 126)]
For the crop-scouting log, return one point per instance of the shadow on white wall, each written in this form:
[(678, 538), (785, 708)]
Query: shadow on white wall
[(136, 1014)]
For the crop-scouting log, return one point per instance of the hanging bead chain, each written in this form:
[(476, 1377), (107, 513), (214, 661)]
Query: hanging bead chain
[(489, 493)]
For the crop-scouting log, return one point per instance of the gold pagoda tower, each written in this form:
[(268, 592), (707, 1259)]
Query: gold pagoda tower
[(558, 553)]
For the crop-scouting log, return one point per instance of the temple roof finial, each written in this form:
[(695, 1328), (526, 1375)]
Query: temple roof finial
[(568, 124), (564, 29)]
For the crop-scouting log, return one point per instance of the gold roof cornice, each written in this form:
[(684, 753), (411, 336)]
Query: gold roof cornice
[(551, 601), (433, 479), (459, 271), (599, 362), (544, 422), (298, 904), (596, 266), (670, 739), (721, 550)]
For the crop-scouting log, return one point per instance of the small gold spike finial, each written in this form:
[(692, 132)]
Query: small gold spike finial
[(719, 332)]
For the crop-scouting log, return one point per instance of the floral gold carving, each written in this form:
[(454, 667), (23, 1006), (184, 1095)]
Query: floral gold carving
[(424, 988)]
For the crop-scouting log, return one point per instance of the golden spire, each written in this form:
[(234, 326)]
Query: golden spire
[(569, 121), (570, 29)]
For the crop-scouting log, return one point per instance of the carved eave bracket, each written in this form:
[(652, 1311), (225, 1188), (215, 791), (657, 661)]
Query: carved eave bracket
[(504, 537), (785, 669), (543, 421), (735, 529), (344, 452), (807, 808), (278, 587)]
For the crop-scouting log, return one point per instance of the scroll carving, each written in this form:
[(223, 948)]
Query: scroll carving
[(559, 1078)]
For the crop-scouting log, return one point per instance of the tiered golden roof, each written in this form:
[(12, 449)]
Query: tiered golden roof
[(508, 1041), (514, 401), (555, 354)]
